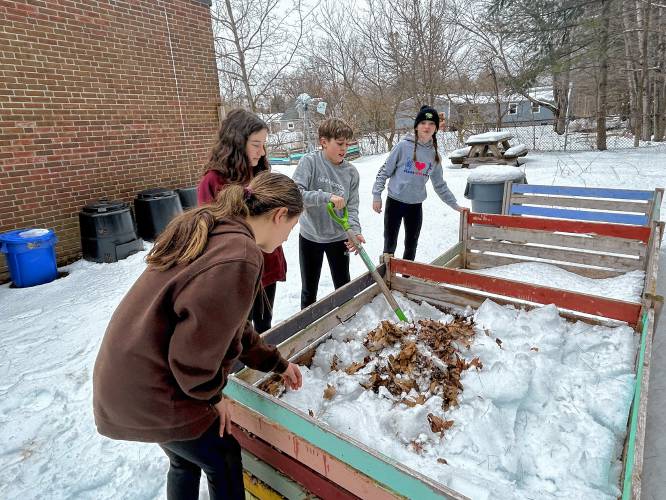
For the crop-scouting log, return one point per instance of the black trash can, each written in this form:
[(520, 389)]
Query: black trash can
[(485, 186), (188, 197), (154, 208), (107, 231)]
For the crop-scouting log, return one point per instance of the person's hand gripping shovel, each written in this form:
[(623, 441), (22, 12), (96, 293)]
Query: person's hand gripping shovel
[(344, 223)]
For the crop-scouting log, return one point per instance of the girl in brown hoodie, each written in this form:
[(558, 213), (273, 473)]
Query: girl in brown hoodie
[(174, 337)]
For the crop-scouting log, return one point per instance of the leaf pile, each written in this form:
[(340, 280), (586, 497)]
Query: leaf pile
[(428, 361)]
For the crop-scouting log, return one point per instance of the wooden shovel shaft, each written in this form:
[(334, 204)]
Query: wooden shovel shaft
[(373, 271)]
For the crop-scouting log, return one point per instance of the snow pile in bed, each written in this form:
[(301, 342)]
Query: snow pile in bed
[(628, 286), (544, 418)]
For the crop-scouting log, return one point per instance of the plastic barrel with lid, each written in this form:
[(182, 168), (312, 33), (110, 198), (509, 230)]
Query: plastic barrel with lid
[(188, 197), (485, 186), (108, 233), (154, 209), (30, 256)]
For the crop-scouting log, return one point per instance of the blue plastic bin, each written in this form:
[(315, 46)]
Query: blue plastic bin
[(30, 256)]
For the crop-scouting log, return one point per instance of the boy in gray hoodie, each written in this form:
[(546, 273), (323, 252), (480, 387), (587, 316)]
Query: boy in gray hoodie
[(322, 177), (411, 163)]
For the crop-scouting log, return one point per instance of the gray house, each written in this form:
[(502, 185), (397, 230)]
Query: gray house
[(459, 110)]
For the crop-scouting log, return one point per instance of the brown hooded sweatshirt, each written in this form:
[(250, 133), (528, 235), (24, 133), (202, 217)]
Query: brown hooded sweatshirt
[(173, 339)]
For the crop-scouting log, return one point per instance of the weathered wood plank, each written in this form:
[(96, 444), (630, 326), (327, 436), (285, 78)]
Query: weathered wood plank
[(641, 233), (484, 261), (337, 456), (315, 333), (624, 194), (637, 422), (583, 215), (575, 301), (449, 255), (450, 297), (589, 203), (315, 483), (594, 243), (280, 484), (312, 313), (557, 254)]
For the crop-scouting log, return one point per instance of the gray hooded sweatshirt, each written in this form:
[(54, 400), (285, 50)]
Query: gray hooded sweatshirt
[(318, 179), (408, 179)]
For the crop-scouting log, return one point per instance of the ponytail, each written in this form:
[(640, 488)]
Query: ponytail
[(186, 237)]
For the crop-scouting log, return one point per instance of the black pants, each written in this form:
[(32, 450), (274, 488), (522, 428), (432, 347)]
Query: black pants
[(311, 257), (261, 314), (219, 457), (394, 213)]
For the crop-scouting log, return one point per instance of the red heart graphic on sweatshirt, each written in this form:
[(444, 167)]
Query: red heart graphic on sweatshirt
[(419, 165)]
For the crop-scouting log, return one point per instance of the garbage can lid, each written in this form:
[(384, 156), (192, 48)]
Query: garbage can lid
[(153, 193), (27, 235), (490, 174), (102, 206)]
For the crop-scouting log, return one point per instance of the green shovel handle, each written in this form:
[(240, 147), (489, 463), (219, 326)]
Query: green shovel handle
[(344, 220)]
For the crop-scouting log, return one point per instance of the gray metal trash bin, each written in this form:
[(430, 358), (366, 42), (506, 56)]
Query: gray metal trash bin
[(485, 186)]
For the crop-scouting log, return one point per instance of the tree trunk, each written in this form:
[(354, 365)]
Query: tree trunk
[(646, 125), (241, 57), (660, 78), (498, 103), (561, 94), (628, 23), (602, 87)]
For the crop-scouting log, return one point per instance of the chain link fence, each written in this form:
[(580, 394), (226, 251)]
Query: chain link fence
[(580, 135)]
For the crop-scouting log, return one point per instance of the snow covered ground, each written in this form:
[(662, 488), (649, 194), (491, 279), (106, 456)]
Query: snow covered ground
[(49, 336)]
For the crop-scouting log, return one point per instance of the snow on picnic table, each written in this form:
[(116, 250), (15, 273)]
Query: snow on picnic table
[(49, 337), (488, 137)]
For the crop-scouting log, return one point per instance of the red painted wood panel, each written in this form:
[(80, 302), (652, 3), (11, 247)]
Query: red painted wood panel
[(599, 306), (641, 233)]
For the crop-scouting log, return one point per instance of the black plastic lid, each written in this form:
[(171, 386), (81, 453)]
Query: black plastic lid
[(186, 189), (151, 194), (102, 206)]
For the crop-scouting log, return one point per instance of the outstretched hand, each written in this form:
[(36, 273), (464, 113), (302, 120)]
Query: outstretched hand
[(292, 377), (377, 206), (225, 419), (351, 247)]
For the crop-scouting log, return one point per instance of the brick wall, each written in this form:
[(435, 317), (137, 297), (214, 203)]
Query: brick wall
[(100, 99)]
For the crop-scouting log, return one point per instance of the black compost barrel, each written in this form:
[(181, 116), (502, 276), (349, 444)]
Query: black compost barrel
[(154, 209), (107, 231)]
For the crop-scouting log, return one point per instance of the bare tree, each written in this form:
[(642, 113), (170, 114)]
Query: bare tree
[(602, 83), (256, 41)]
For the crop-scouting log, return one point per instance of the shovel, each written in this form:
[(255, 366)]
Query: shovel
[(344, 223)]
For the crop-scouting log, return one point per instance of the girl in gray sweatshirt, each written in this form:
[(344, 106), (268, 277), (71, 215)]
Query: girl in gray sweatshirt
[(410, 164)]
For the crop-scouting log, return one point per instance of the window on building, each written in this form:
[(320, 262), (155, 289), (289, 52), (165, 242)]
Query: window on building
[(290, 125), (536, 108), (513, 108)]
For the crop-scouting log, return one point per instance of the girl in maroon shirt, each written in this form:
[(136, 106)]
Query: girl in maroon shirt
[(237, 157)]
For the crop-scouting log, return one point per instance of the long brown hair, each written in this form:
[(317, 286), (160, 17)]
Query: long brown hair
[(228, 155), (185, 238)]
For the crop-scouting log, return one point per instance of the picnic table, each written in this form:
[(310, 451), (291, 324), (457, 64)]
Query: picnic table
[(489, 147)]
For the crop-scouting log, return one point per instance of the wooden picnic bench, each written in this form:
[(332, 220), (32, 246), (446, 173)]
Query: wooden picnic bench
[(489, 147)]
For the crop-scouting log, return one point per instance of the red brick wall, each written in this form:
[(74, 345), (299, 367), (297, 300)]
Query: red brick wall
[(92, 105)]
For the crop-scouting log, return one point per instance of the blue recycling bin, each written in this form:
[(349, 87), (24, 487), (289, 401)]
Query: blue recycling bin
[(30, 256)]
